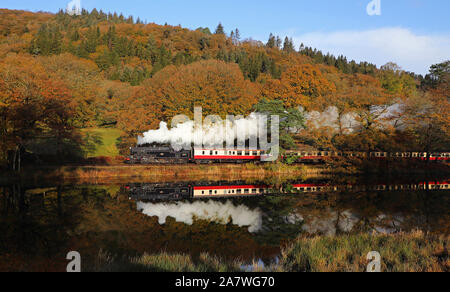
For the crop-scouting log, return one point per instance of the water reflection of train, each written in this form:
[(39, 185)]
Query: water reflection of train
[(164, 154), (171, 191)]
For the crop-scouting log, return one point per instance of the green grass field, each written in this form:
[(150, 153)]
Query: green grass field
[(101, 142)]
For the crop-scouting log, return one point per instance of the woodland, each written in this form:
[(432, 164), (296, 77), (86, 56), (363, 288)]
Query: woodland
[(63, 78)]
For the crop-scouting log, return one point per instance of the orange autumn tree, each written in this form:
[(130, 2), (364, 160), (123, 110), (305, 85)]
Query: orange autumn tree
[(299, 85), (427, 118), (31, 105), (82, 77), (135, 115), (219, 88)]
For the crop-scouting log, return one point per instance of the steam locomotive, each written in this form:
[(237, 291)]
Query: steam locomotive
[(164, 154)]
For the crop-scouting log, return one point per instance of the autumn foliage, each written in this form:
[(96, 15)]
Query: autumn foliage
[(299, 85), (60, 74)]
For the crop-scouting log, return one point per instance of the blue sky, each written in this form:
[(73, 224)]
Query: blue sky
[(412, 33)]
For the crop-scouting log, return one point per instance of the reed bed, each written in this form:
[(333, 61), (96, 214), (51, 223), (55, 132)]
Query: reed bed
[(163, 173), (403, 252)]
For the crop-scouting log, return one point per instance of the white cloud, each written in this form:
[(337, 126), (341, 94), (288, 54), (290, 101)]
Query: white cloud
[(413, 52)]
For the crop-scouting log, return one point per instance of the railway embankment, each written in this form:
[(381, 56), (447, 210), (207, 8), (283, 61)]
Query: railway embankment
[(118, 172), (167, 173)]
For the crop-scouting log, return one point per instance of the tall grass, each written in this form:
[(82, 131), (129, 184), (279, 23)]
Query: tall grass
[(164, 262), (405, 252), (169, 172), (413, 252)]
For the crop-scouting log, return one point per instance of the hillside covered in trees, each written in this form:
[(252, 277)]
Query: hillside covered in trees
[(60, 74)]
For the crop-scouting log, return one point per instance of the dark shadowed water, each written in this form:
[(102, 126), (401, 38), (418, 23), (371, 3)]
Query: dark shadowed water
[(40, 224)]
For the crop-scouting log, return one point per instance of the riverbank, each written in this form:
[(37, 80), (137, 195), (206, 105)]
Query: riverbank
[(404, 252), (119, 172), (166, 173)]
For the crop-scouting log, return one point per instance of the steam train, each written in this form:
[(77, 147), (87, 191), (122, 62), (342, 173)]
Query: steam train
[(324, 155), (179, 191), (164, 154), (156, 154)]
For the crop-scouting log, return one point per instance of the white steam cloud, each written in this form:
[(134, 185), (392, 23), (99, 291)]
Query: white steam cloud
[(386, 116), (222, 213), (213, 133), (330, 119), (74, 7), (328, 223)]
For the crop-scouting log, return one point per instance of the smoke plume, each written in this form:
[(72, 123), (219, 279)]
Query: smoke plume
[(218, 212), (213, 133), (386, 116)]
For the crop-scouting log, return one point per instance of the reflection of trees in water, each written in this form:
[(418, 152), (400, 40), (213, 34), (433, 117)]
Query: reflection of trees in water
[(35, 224), (385, 212), (41, 225)]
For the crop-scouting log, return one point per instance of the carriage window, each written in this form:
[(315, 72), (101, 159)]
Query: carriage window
[(239, 153), (210, 192), (217, 152), (247, 153), (203, 153), (254, 191), (239, 191), (203, 192), (246, 191), (211, 152)]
